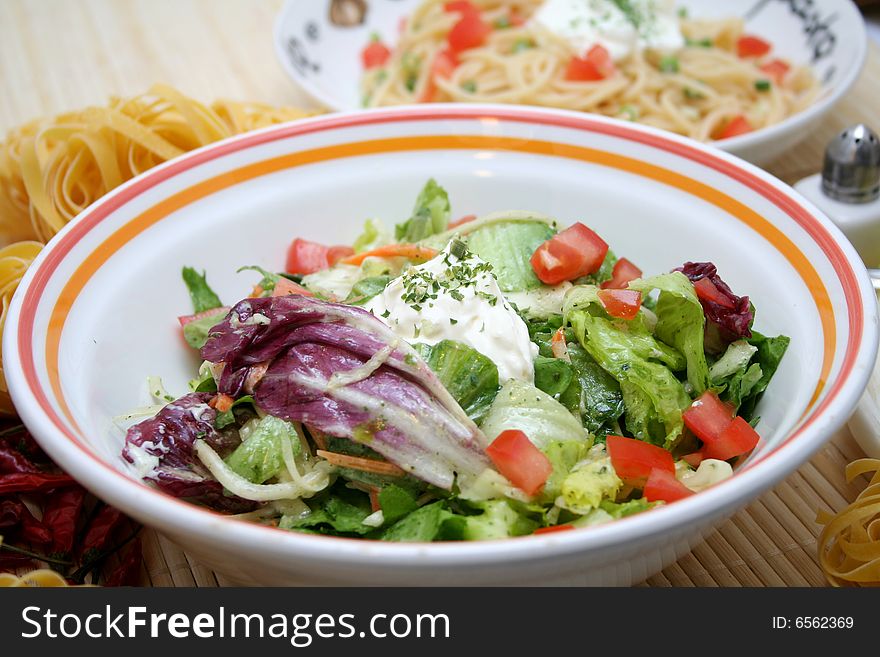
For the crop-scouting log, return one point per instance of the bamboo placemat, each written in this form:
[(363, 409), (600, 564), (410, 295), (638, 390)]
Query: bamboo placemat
[(56, 56)]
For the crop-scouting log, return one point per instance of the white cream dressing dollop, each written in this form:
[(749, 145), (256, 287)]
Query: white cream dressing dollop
[(653, 24), (466, 314)]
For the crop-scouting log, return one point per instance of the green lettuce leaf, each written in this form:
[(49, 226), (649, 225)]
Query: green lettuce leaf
[(366, 288), (497, 520), (680, 322), (653, 397), (428, 523), (770, 353), (589, 482), (203, 297), (470, 377), (582, 386), (508, 247), (563, 455), (259, 457), (396, 502), (430, 215), (196, 332), (338, 511), (373, 236), (520, 405)]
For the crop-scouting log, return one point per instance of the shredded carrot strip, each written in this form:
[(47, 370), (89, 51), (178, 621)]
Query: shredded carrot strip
[(358, 463), (411, 251)]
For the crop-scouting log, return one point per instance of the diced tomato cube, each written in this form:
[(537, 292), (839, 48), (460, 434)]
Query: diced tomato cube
[(469, 32), (738, 125), (776, 69), (752, 46), (623, 304), (694, 459), (337, 253), (284, 287), (707, 417), (595, 65), (623, 273), (633, 460), (662, 486), (375, 54), (515, 457), (443, 66), (307, 257), (737, 438), (575, 252)]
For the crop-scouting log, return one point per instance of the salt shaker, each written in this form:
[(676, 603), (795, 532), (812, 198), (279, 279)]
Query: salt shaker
[(848, 189)]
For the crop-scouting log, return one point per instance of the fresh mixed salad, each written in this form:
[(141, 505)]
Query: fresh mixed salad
[(458, 380)]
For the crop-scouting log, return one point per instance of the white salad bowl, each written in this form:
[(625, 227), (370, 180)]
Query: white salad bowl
[(319, 42), (96, 313)]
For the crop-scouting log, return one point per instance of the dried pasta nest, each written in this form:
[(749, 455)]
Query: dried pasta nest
[(53, 169)]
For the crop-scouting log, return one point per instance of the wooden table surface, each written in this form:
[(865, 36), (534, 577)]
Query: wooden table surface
[(57, 55)]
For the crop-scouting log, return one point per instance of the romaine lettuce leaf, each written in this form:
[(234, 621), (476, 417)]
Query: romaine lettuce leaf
[(563, 455), (497, 520), (653, 397), (430, 215), (508, 247), (582, 386), (520, 405), (337, 511), (425, 524), (259, 457), (396, 502), (373, 236), (589, 482), (770, 353), (680, 322), (366, 288), (196, 332), (470, 377), (203, 297)]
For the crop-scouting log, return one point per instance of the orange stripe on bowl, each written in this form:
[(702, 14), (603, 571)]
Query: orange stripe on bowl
[(142, 222)]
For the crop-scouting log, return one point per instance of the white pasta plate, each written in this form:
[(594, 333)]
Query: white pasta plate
[(95, 314), (319, 44)]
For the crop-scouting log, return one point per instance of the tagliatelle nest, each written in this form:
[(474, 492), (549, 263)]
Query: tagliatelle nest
[(53, 169), (849, 545)]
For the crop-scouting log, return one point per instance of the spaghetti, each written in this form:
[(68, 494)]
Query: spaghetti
[(707, 90)]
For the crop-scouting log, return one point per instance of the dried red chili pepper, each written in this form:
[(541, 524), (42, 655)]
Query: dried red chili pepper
[(10, 514), (20, 439), (100, 531), (32, 530), (61, 516), (128, 573), (26, 482), (14, 461), (11, 562)]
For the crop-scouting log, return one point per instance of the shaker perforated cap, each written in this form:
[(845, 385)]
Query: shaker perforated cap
[(851, 172)]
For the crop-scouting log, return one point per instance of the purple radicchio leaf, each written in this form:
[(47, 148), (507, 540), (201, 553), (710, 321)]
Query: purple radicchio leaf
[(169, 437), (397, 406), (727, 322)]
